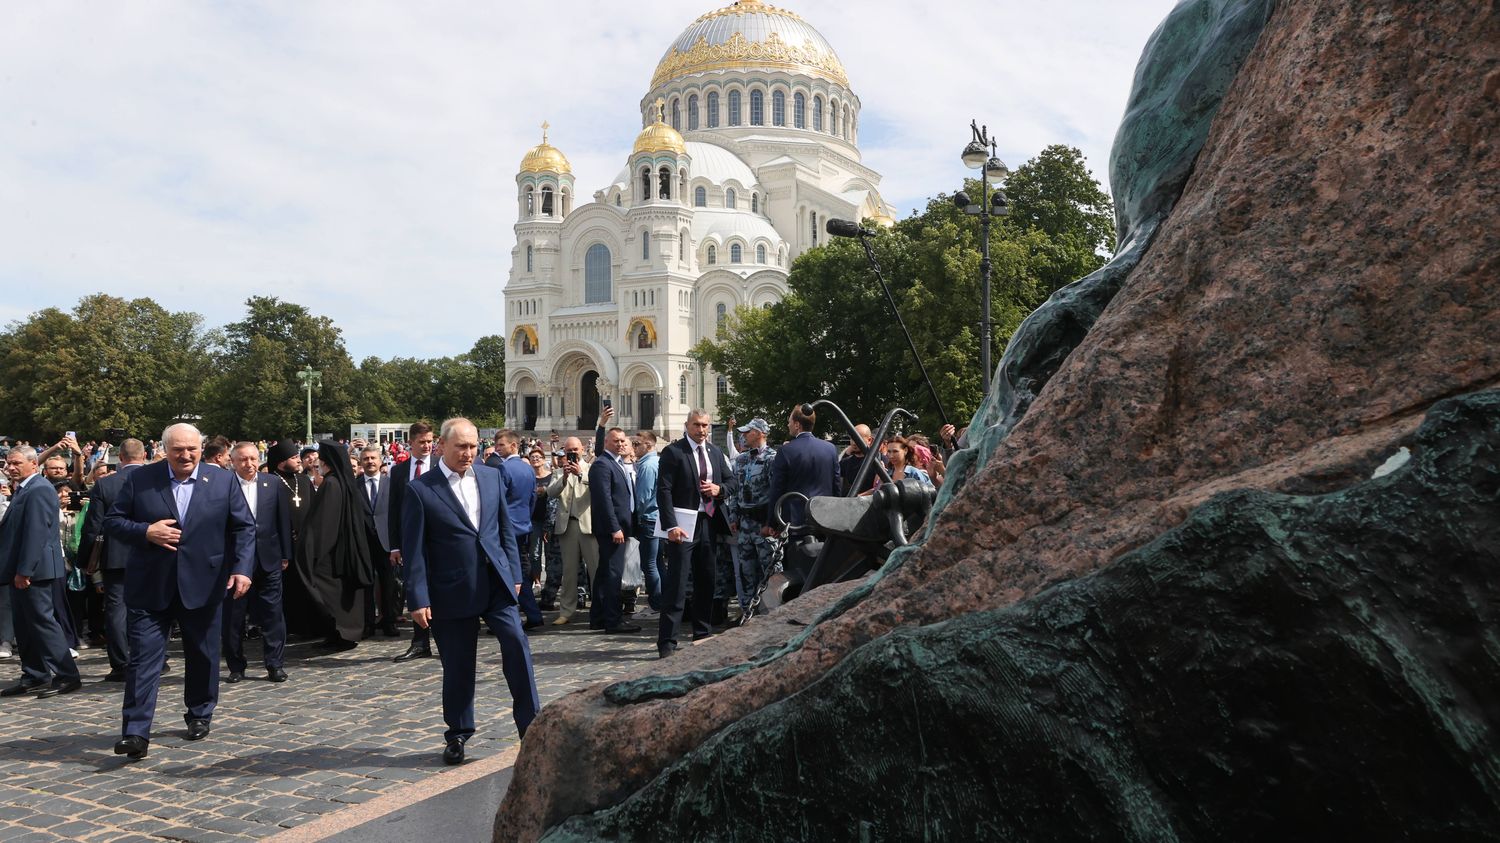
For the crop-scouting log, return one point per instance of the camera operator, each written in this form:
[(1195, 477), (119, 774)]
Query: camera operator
[(574, 525)]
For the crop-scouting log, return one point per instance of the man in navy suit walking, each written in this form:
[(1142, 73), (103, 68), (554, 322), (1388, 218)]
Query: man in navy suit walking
[(694, 476), (190, 538), (31, 560), (519, 483), (462, 564), (267, 499), (612, 498)]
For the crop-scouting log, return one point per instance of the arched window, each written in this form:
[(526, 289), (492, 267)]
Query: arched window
[(729, 198), (666, 182), (597, 275), (778, 108), (692, 112), (721, 315), (682, 389), (530, 202), (713, 254), (760, 253), (734, 108), (833, 116), (755, 203), (713, 109), (546, 201), (722, 385), (814, 219), (682, 240), (676, 114), (645, 245), (799, 110), (817, 114), (736, 254), (700, 197), (529, 267), (757, 108), (645, 184), (617, 200)]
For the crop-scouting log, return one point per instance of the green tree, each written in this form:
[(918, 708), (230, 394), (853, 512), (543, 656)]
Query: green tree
[(256, 393), (111, 363), (834, 335)]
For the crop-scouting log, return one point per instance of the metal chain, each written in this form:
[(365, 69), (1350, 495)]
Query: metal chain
[(778, 551)]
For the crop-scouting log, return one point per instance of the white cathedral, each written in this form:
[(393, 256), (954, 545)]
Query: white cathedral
[(750, 144)]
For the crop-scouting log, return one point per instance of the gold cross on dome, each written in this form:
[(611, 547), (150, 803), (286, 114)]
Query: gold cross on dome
[(545, 127), (661, 110)]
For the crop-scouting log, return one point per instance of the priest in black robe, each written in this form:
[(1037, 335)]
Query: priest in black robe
[(333, 556)]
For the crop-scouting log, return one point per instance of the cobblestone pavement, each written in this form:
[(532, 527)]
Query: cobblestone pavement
[(344, 729)]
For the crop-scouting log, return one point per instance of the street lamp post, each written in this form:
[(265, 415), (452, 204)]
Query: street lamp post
[(981, 154), (310, 378)]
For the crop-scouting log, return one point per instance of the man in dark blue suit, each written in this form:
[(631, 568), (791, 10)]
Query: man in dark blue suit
[(693, 476), (519, 482), (111, 557), (805, 464), (419, 444), (611, 499), (190, 537), (31, 559), (462, 564), (267, 499)]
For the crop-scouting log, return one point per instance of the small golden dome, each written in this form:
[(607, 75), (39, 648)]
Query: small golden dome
[(659, 137), (546, 158)]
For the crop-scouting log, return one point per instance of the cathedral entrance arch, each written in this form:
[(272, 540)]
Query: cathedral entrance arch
[(588, 400)]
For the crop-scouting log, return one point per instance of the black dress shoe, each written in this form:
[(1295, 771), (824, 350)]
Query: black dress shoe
[(454, 754), (275, 674), (624, 627), (234, 676), (664, 650), (197, 730), (114, 676), (414, 652), (20, 688), (66, 686), (533, 624), (339, 645), (699, 636), (596, 624), (133, 746)]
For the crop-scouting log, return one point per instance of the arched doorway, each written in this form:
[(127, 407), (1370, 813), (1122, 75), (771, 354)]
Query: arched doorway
[(588, 400)]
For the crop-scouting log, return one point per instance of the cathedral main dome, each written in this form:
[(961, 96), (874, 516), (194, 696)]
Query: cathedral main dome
[(745, 35)]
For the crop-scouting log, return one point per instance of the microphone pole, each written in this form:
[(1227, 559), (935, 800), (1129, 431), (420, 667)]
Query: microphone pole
[(845, 228)]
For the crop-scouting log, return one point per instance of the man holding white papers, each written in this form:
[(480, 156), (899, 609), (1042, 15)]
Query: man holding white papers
[(694, 476)]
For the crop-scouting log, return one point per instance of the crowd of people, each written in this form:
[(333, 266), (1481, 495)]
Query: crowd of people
[(343, 540)]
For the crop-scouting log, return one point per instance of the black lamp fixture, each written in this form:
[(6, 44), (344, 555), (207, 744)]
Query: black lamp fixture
[(980, 154)]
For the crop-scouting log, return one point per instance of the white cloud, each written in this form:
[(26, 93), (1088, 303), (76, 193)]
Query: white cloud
[(359, 158)]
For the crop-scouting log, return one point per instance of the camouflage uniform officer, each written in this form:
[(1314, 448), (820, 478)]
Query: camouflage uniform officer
[(751, 509)]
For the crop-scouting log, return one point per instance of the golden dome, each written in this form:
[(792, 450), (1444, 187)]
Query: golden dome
[(546, 158), (659, 137), (883, 219), (749, 35)]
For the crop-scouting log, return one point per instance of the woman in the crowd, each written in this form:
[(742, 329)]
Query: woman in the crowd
[(333, 557), (546, 553), (898, 453)]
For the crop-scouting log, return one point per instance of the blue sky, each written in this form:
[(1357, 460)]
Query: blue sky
[(359, 157)]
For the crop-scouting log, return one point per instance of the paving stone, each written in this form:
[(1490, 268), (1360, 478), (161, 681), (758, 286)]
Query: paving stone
[(347, 729)]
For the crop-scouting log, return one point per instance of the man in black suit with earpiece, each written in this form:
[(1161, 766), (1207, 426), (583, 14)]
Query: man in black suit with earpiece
[(694, 476)]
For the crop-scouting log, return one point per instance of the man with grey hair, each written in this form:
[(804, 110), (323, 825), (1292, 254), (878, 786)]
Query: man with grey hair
[(31, 559), (190, 538), (694, 479)]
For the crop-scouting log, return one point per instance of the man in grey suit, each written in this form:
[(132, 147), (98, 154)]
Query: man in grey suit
[(111, 557), (30, 560), (374, 489)]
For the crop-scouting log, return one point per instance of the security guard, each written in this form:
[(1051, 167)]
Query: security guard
[(751, 509)]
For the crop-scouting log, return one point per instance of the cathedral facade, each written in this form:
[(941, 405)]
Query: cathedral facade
[(749, 145)]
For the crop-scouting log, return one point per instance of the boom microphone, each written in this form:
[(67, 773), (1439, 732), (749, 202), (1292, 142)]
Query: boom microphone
[(845, 228)]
